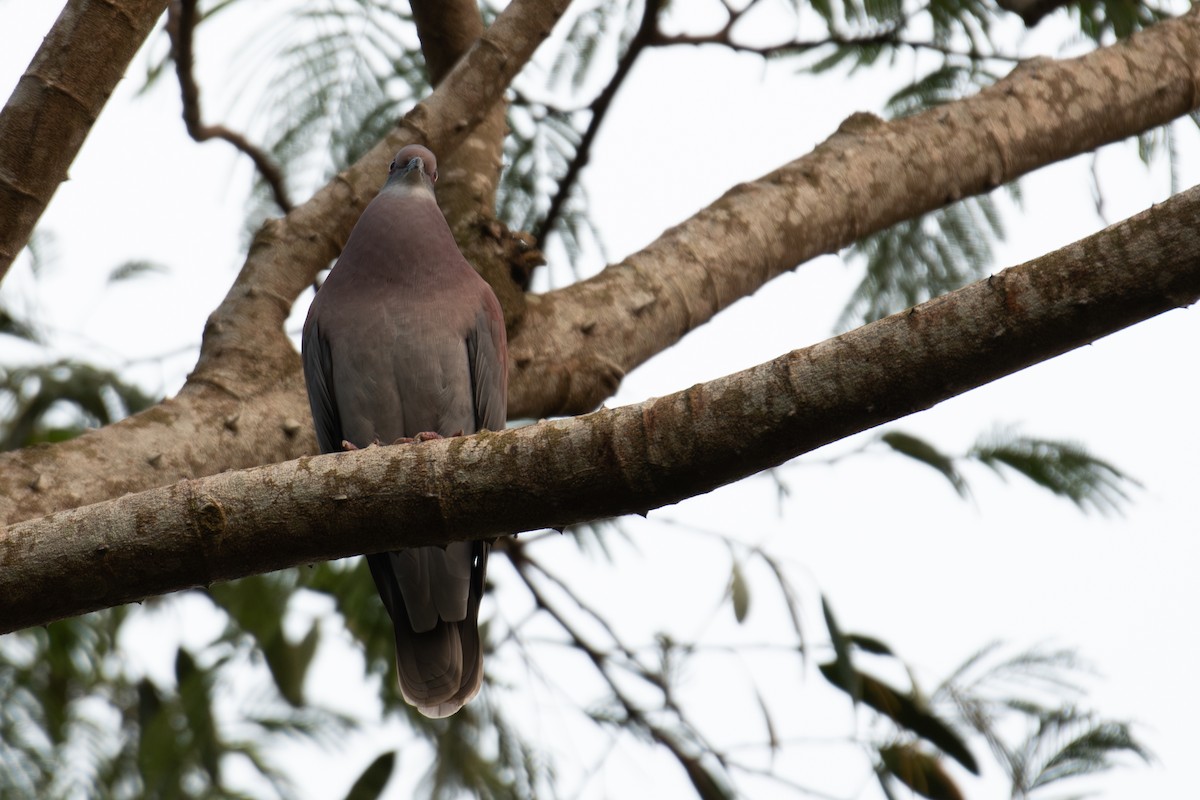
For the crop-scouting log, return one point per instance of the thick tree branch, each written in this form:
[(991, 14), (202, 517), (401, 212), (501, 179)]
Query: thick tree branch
[(612, 462), (181, 28), (244, 402), (56, 102), (469, 176), (865, 177)]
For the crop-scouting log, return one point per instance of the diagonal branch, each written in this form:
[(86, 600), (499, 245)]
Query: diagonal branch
[(244, 402), (612, 462), (867, 176), (447, 29), (56, 102), (181, 28)]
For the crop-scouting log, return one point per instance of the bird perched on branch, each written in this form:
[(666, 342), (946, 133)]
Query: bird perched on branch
[(404, 341)]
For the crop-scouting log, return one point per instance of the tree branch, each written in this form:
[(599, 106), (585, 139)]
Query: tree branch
[(56, 102), (470, 175), (245, 405), (867, 176), (244, 402), (612, 462), (181, 27), (891, 38)]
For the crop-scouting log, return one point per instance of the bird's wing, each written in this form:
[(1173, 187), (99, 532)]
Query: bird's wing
[(487, 352), (318, 372)]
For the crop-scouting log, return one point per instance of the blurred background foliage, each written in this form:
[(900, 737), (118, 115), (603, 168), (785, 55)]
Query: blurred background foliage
[(79, 717)]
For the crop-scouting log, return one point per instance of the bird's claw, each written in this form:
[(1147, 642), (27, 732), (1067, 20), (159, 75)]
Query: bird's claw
[(347, 446), (423, 436)]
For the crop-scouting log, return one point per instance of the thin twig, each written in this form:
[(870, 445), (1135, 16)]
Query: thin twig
[(181, 25), (800, 46), (633, 712), (646, 33)]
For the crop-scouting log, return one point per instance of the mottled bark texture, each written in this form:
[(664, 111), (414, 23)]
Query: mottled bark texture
[(243, 401), (865, 177), (244, 405), (56, 102), (625, 460)]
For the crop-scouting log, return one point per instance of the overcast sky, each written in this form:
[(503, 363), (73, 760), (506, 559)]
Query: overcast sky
[(898, 553)]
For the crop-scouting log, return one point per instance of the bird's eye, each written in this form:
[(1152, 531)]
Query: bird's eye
[(392, 166)]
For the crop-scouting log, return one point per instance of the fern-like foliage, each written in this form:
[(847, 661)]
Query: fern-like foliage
[(1066, 469), (921, 258), (57, 401), (1026, 706)]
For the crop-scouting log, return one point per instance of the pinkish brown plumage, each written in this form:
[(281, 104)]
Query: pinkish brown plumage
[(405, 338)]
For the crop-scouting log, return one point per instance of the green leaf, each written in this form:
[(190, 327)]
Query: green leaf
[(134, 269), (869, 644), (921, 258), (374, 778), (195, 699), (739, 591), (919, 771), (1064, 468), (904, 709), (11, 325), (847, 677), (289, 663), (920, 450)]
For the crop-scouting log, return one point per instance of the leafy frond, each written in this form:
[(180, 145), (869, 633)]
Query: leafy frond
[(606, 24), (1065, 468), (1035, 689), (1102, 21), (52, 402), (946, 84), (922, 258), (1071, 743)]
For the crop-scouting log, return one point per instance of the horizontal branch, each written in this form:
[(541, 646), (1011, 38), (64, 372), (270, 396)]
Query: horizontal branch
[(575, 344), (630, 459), (244, 404)]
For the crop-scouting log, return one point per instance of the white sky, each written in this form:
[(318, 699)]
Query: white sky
[(897, 552)]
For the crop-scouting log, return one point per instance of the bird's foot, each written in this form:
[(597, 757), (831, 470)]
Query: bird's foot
[(347, 446), (423, 436)]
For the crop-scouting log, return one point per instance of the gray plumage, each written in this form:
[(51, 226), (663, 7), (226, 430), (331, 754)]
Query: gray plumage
[(404, 338)]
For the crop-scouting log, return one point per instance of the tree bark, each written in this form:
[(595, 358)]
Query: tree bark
[(867, 176), (466, 189), (56, 102), (575, 344), (626, 460), (244, 402)]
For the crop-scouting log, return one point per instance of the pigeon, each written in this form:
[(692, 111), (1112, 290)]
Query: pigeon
[(405, 342)]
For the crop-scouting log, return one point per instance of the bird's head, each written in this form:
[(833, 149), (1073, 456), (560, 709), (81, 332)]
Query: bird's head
[(413, 165)]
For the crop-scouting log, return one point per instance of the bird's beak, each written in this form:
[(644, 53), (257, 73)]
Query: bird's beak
[(413, 171)]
